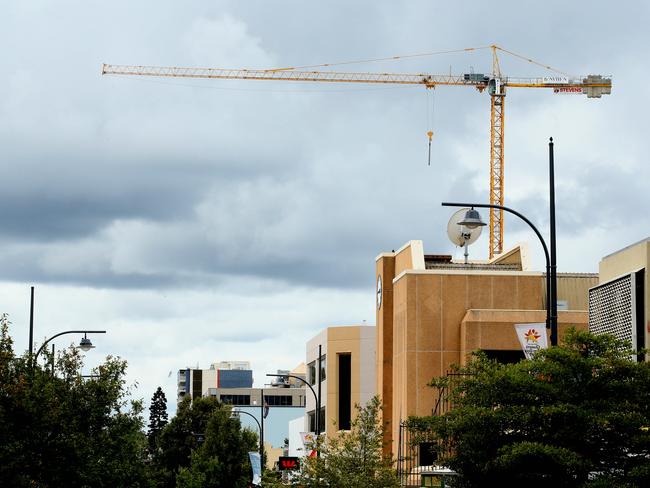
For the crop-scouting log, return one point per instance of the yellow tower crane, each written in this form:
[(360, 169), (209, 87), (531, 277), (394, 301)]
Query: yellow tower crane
[(594, 86)]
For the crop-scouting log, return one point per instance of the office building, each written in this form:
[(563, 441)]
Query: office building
[(432, 312), (346, 375), (620, 303), (226, 374)]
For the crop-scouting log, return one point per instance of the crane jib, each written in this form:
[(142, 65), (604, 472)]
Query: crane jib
[(594, 86)]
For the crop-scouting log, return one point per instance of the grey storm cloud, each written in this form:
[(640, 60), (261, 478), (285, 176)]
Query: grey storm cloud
[(215, 216)]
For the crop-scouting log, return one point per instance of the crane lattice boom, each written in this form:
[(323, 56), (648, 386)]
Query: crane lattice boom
[(594, 86), (479, 81)]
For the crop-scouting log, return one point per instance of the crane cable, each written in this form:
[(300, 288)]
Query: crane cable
[(550, 68), (419, 55), (430, 114), (374, 60)]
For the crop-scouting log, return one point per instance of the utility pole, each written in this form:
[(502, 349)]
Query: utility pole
[(31, 325), (552, 294), (319, 391)]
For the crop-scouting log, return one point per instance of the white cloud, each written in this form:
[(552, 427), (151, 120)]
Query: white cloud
[(203, 220)]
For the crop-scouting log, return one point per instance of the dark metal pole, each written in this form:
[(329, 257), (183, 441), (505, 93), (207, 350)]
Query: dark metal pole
[(316, 397), (52, 359), (31, 325), (553, 294), (319, 391), (539, 236), (262, 428), (259, 426)]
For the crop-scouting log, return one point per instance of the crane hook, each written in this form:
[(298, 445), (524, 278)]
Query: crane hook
[(430, 135)]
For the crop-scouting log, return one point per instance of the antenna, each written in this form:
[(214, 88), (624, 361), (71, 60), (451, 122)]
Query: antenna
[(461, 235)]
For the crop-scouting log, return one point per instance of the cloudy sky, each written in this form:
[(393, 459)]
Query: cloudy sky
[(199, 221)]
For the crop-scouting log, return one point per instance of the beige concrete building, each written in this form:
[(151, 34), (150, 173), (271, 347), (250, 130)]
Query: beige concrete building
[(346, 376), (620, 304), (432, 312)]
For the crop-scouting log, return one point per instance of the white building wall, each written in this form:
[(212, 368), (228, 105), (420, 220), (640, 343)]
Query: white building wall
[(312, 355), (296, 426), (208, 380), (368, 364)]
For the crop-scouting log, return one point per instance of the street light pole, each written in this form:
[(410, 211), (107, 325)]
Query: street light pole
[(277, 375), (259, 426), (551, 322), (553, 294), (31, 324), (85, 342), (262, 428), (320, 370)]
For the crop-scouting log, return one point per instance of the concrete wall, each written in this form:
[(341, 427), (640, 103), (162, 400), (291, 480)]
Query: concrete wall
[(626, 261), (431, 319), (296, 426)]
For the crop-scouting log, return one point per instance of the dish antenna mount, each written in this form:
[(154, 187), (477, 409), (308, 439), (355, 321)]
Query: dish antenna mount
[(461, 235)]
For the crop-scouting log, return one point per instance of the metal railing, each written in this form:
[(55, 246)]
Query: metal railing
[(418, 449)]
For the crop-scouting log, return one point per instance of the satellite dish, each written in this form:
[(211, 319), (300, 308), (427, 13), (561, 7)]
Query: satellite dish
[(459, 234)]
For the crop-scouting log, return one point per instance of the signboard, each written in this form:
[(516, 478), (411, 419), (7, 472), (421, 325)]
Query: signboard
[(309, 443), (568, 90), (256, 464), (532, 338), (308, 439), (288, 463), (553, 80)]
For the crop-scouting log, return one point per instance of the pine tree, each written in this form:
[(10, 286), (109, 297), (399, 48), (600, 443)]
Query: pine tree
[(157, 417)]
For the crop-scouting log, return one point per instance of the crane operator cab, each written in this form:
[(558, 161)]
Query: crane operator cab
[(495, 87)]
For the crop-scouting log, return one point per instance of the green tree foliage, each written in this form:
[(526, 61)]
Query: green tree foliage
[(157, 418), (352, 459), (203, 446), (65, 430), (576, 415)]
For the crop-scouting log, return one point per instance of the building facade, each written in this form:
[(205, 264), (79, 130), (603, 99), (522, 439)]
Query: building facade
[(226, 374), (620, 304), (432, 312), (346, 376)]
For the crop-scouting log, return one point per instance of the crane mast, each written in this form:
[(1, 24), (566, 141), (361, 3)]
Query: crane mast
[(594, 86)]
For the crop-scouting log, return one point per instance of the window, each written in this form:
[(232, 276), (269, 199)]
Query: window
[(323, 368), (345, 391), (312, 420), (197, 383), (505, 357), (427, 454), (236, 399), (311, 373), (278, 400)]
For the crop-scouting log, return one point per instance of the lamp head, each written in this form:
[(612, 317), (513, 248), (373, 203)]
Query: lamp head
[(85, 344), (472, 219)]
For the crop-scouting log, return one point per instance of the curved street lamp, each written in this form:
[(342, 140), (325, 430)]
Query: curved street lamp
[(473, 219), (236, 413), (316, 397), (85, 344)]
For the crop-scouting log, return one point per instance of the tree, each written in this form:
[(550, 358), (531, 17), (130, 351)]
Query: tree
[(352, 459), (66, 430), (203, 446), (576, 415), (157, 418)]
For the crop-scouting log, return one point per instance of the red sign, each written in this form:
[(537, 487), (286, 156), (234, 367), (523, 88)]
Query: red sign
[(567, 89), (288, 463)]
